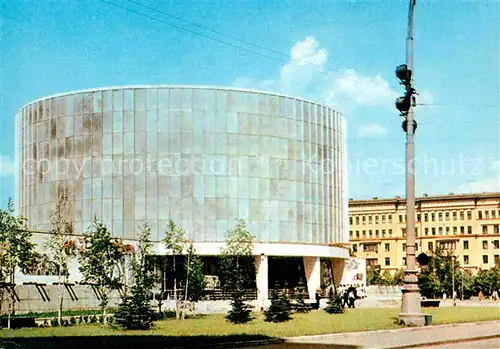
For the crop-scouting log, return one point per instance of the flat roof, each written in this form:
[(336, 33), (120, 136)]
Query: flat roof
[(492, 195), (200, 87)]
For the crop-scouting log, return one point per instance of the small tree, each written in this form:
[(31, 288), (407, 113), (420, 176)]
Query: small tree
[(100, 261), (62, 218), (16, 249), (301, 306), (135, 312), (175, 243), (280, 309), (238, 269), (195, 284), (334, 304)]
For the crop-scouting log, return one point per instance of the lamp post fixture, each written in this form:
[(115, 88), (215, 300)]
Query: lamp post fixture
[(411, 314)]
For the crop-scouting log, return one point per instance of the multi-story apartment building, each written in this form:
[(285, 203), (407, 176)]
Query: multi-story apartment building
[(467, 225)]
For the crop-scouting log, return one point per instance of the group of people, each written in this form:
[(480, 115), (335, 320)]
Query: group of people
[(348, 294)]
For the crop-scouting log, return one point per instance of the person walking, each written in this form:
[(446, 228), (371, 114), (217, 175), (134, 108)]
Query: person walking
[(352, 299)]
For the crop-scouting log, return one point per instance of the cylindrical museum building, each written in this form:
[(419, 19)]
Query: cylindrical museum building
[(200, 156)]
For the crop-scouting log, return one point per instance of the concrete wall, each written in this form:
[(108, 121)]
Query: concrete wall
[(31, 300)]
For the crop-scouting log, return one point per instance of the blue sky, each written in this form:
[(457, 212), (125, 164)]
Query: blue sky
[(338, 52)]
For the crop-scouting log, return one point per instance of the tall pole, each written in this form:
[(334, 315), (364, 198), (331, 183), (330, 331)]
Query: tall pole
[(410, 305)]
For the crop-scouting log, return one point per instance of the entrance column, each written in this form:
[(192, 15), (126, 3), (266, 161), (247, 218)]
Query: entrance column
[(312, 268), (262, 277)]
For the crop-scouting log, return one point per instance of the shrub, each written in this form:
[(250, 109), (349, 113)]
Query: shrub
[(93, 319), (301, 307), (45, 323), (54, 322), (80, 320), (101, 319), (72, 321), (280, 308), (65, 323), (240, 311), (334, 304), (86, 319)]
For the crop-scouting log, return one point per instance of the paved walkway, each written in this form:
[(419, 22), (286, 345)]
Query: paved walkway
[(406, 337)]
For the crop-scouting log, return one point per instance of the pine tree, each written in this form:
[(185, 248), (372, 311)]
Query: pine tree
[(279, 310), (240, 311), (301, 306), (334, 304), (136, 313)]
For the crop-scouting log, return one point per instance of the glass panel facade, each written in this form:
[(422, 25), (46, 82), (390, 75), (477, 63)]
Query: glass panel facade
[(202, 157)]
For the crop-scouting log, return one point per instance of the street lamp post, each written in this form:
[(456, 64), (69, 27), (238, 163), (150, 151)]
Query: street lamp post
[(453, 280), (411, 314)]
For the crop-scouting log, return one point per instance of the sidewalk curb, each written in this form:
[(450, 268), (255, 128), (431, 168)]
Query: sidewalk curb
[(398, 330), (233, 344)]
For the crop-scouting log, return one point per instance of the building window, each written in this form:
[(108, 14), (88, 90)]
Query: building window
[(466, 259), (376, 219), (447, 215), (354, 248), (485, 229), (390, 232), (364, 219), (496, 229), (350, 220), (369, 219), (496, 244), (469, 229), (383, 219), (433, 217), (404, 247), (387, 247), (496, 259), (454, 215), (416, 246), (383, 233), (440, 230), (455, 229), (462, 215), (493, 214), (400, 218), (426, 217), (485, 259), (376, 233), (371, 233), (418, 217), (447, 230), (403, 231), (364, 233), (433, 231), (370, 248), (430, 246), (462, 230), (416, 231), (357, 234), (440, 216), (389, 218), (350, 233), (466, 245), (485, 245), (372, 261), (486, 214), (404, 260), (387, 261), (479, 214), (469, 215), (357, 220), (426, 231)]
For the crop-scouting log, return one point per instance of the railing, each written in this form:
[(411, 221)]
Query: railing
[(217, 294)]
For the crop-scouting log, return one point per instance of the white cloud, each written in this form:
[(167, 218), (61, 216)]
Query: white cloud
[(361, 89), (372, 131), (307, 59), (490, 184), (7, 166), (305, 75), (425, 97)]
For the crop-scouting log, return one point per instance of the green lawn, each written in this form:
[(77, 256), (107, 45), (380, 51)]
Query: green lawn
[(316, 322)]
